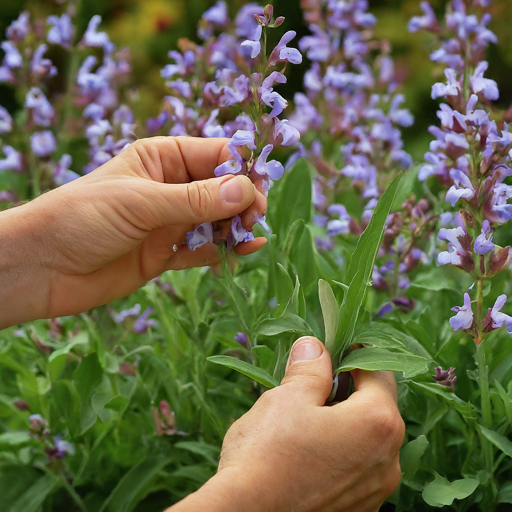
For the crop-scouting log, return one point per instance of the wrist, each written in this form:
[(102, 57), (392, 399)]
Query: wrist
[(23, 292), (230, 490)]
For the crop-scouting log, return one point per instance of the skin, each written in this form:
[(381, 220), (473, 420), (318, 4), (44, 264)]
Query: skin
[(104, 235)]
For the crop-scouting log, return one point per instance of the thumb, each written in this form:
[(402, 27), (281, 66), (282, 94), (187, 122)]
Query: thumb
[(200, 201), (309, 371)]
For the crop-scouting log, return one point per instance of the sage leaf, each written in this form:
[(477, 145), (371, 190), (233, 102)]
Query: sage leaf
[(330, 312)]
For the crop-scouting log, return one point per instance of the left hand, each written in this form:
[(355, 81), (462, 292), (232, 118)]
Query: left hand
[(104, 235)]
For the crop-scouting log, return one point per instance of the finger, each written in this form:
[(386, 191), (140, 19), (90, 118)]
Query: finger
[(197, 202), (246, 248), (257, 210), (381, 383), (309, 371), (205, 256), (178, 159)]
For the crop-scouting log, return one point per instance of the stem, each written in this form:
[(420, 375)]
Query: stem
[(73, 494)]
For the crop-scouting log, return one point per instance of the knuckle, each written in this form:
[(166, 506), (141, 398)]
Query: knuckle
[(392, 478), (200, 199), (387, 423)]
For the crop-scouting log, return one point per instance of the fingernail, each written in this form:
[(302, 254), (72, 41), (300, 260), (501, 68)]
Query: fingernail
[(232, 191), (305, 350)]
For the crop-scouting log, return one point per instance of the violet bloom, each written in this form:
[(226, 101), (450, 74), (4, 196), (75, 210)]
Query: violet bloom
[(245, 22), (241, 338), (60, 449), (479, 84), (452, 88), (203, 234), (499, 318), (462, 187), (483, 242), (61, 31), (62, 174), (93, 38), (126, 313), (42, 110), (273, 169), (464, 318), (340, 226), (5, 121), (445, 377), (281, 53), (12, 58), (240, 138), (19, 28), (238, 233), (37, 423), (428, 21), (456, 251), (12, 160), (41, 66), (43, 144), (254, 43), (290, 134), (216, 16), (143, 323)]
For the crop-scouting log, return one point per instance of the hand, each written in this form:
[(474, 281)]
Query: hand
[(104, 235), (291, 453)]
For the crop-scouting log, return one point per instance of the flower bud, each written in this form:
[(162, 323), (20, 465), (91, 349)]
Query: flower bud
[(268, 12), (279, 21), (500, 260)]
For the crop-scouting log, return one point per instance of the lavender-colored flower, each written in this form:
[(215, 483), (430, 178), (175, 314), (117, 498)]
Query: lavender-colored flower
[(289, 133), (61, 31), (456, 251), (238, 233), (180, 87), (12, 58), (40, 66), (241, 338), (462, 187), (19, 28), (12, 160), (452, 88), (62, 174), (143, 323), (498, 318), (483, 242), (464, 318), (126, 313), (479, 84), (203, 234), (245, 21), (37, 423), (43, 144), (428, 21), (273, 170), (60, 448), (281, 53), (5, 121), (445, 377), (42, 110), (93, 38), (254, 43), (340, 226), (239, 139)]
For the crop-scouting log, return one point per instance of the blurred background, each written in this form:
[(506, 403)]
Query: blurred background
[(150, 28)]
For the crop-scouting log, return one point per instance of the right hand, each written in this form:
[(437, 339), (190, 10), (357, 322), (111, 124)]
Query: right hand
[(291, 453)]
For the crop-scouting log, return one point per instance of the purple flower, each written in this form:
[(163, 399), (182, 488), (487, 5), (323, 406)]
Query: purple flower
[(428, 21), (155, 124), (340, 226), (216, 16), (242, 338), (245, 22), (181, 87), (445, 377), (262, 222), (273, 169), (464, 318), (290, 134), (254, 42), (274, 100), (5, 121), (93, 38), (60, 448), (282, 53), (61, 31), (19, 28), (479, 84), (240, 138), (37, 423), (132, 312), (452, 88), (483, 242), (62, 174), (317, 46), (456, 252), (39, 65), (183, 64), (238, 233), (12, 57), (42, 110), (142, 324), (498, 318), (12, 160), (203, 234), (462, 187)]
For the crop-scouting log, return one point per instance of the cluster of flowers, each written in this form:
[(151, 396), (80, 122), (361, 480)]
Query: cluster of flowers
[(226, 88), (471, 154), (54, 446), (351, 98), (35, 149)]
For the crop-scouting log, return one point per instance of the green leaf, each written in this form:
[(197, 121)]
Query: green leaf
[(265, 357), (283, 286), (118, 403), (57, 359), (330, 312), (15, 438), (374, 359), (507, 401), (466, 409), (132, 487), (294, 200), (67, 402), (505, 493), (33, 497), (382, 335), (297, 304), (293, 236), (360, 270), (286, 323), (253, 372), (501, 442), (209, 452), (303, 257), (410, 456), (441, 492)]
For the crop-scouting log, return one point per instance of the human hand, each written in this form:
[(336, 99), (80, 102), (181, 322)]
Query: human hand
[(291, 453), (104, 235)]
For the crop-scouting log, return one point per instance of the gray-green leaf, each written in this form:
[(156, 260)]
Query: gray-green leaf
[(330, 312), (497, 440), (441, 492)]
